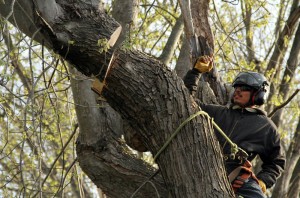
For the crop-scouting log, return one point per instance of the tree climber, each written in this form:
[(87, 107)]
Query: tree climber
[(248, 127)]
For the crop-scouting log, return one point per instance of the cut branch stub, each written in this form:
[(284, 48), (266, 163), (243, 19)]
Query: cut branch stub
[(91, 52), (72, 29)]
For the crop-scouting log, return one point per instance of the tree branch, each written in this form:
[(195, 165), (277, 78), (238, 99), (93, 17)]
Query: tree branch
[(284, 104)]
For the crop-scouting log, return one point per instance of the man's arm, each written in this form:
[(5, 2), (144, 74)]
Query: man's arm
[(273, 161), (191, 79)]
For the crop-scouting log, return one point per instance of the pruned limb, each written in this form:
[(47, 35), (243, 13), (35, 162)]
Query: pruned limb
[(79, 32)]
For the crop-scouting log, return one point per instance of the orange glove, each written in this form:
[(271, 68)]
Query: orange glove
[(262, 186), (204, 64)]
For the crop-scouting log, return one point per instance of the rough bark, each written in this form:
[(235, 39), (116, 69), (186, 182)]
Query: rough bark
[(127, 20), (102, 154), (199, 28), (156, 101), (151, 97), (67, 32), (200, 14)]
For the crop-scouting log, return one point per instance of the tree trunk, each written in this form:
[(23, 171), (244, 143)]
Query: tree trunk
[(102, 155), (154, 100), (151, 97), (294, 186)]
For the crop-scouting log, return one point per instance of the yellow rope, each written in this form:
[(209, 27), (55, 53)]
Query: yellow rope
[(234, 147)]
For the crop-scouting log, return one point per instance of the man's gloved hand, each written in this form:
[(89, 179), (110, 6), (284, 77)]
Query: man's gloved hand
[(262, 185), (238, 183), (204, 64)]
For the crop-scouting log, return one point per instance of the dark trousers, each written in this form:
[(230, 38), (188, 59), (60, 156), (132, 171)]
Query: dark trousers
[(250, 189)]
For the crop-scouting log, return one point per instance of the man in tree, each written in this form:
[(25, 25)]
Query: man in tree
[(248, 127)]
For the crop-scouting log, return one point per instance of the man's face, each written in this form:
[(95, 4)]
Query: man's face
[(241, 95)]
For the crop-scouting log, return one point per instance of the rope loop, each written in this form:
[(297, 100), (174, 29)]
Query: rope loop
[(234, 148)]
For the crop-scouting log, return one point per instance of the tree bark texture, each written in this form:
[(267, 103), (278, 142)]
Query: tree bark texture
[(102, 155), (150, 96), (128, 21), (153, 99), (200, 14)]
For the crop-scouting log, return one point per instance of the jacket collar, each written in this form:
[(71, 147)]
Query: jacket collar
[(250, 109)]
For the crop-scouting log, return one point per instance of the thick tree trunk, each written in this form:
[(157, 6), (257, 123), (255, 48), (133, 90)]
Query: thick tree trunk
[(102, 154), (151, 97), (125, 12), (154, 100)]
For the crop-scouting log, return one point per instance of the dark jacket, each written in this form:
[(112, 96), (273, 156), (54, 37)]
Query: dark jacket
[(250, 129)]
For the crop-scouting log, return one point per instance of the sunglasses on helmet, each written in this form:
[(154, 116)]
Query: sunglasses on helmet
[(243, 87)]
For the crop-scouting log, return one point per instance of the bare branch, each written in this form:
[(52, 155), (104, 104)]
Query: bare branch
[(284, 104)]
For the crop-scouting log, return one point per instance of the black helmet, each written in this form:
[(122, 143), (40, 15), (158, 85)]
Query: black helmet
[(257, 82)]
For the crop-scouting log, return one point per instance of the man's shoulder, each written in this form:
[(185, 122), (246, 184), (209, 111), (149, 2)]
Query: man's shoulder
[(263, 115)]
